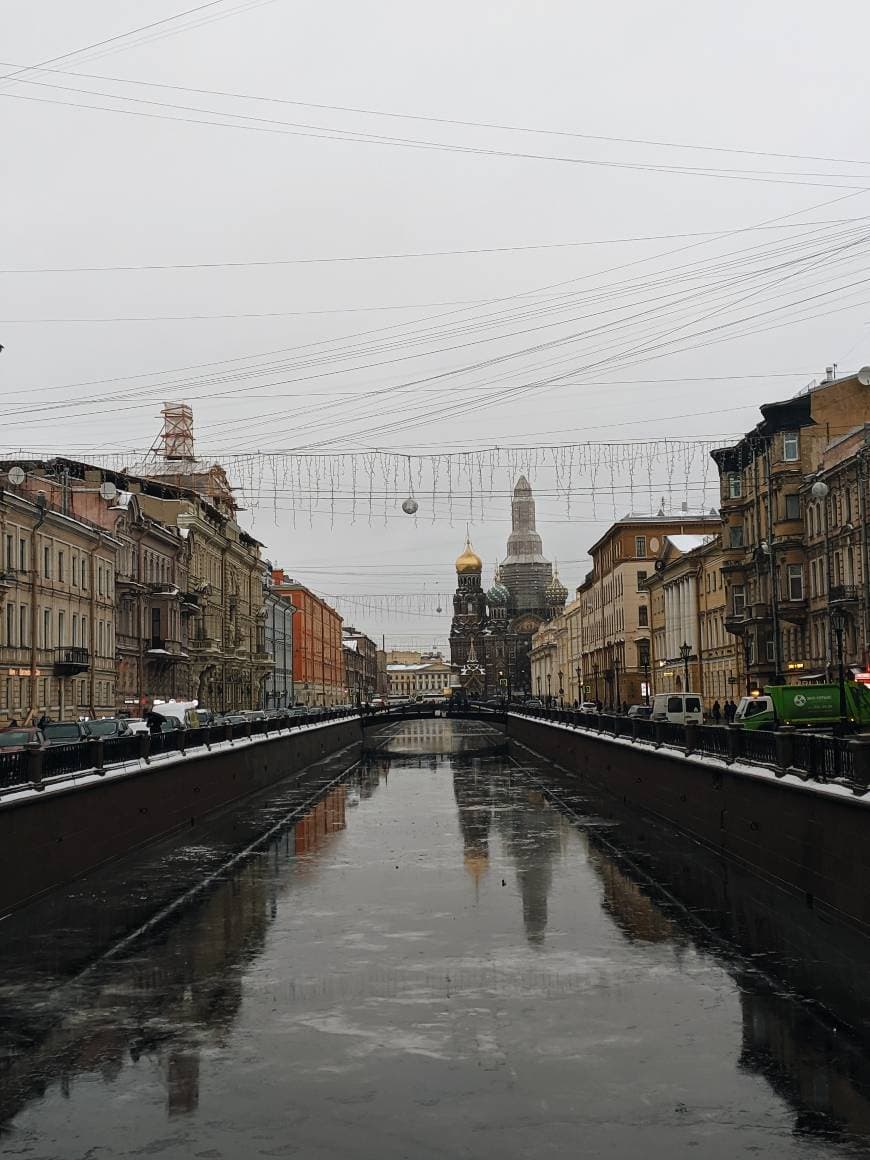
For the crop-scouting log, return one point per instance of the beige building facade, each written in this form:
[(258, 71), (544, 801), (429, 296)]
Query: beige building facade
[(412, 679)]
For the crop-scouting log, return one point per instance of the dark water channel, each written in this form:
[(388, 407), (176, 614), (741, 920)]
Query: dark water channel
[(444, 952)]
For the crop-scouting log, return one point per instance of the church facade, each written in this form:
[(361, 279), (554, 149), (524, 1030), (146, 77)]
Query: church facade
[(491, 633)]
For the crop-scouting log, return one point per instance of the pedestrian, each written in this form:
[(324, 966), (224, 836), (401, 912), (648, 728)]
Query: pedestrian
[(13, 724), (42, 722), (717, 712), (730, 710), (154, 722)]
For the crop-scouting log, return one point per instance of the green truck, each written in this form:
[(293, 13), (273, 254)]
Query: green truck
[(804, 705)]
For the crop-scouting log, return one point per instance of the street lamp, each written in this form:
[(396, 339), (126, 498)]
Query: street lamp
[(685, 653), (838, 622), (616, 678), (747, 660), (820, 491), (579, 687), (561, 690), (549, 689), (595, 675)]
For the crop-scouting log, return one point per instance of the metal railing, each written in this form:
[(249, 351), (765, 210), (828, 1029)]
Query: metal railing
[(820, 757), (32, 766)]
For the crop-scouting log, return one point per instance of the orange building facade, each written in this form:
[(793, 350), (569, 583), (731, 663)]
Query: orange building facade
[(318, 656)]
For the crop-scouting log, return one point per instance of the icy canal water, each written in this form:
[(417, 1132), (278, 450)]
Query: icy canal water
[(432, 959)]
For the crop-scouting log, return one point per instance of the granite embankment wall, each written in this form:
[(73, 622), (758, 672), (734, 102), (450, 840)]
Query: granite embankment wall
[(806, 838), (52, 836)]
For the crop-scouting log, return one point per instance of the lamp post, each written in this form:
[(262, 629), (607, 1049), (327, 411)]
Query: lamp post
[(561, 690), (838, 622), (820, 491), (616, 678), (595, 675), (579, 687), (549, 689), (685, 653), (643, 656), (747, 658), (539, 688)]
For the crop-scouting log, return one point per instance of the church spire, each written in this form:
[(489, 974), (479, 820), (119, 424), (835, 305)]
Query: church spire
[(524, 544)]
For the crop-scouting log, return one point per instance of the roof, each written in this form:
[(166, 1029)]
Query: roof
[(350, 645), (689, 543), (416, 668), (661, 520)]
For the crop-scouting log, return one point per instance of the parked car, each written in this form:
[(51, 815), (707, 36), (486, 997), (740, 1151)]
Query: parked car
[(66, 732), (136, 725), (110, 727), (534, 703), (588, 707), (17, 740), (644, 711), (678, 708)]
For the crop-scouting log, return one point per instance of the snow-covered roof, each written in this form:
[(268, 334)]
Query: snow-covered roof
[(689, 543), (350, 645)]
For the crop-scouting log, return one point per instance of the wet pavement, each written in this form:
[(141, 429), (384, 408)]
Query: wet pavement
[(443, 953)]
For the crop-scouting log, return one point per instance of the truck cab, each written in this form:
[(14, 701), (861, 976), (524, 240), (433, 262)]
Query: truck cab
[(755, 713)]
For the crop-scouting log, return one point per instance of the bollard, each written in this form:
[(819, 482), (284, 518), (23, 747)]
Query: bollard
[(99, 752), (690, 738), (859, 747), (659, 734), (35, 759), (785, 739), (144, 746), (733, 735), (228, 732)]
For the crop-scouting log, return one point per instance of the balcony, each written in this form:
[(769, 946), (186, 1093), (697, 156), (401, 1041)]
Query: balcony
[(736, 622), (7, 581), (189, 603), (794, 611), (165, 652), (204, 644), (70, 661), (163, 590), (843, 594)]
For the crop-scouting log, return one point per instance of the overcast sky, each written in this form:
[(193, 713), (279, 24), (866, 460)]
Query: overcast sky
[(645, 350)]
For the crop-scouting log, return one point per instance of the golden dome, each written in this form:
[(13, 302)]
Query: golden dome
[(469, 561)]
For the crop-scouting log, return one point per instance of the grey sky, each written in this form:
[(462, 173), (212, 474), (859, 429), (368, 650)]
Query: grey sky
[(89, 188)]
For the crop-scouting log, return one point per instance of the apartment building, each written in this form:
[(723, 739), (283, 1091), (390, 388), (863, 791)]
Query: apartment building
[(614, 599), (318, 656), (428, 676), (360, 665), (771, 563), (57, 591)]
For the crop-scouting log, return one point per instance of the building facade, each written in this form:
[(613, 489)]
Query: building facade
[(772, 558), (615, 612), (278, 686), (57, 591), (430, 676), (318, 656), (360, 664)]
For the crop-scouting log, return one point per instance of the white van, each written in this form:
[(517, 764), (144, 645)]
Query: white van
[(681, 708)]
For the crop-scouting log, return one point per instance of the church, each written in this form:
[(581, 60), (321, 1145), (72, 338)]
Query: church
[(491, 633)]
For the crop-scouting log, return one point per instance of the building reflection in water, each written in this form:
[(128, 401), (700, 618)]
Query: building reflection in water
[(472, 788), (174, 997)]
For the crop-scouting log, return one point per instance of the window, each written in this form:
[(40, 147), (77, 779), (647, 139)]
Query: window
[(46, 628), (675, 704), (641, 576), (74, 571), (643, 616), (75, 630), (769, 650), (46, 561), (23, 624), (10, 624), (738, 599), (793, 506), (10, 552), (640, 546), (61, 628), (22, 555), (100, 580), (795, 582), (735, 536), (61, 571), (791, 448), (735, 486)]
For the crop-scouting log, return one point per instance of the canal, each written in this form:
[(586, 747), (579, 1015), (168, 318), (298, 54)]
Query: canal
[(443, 952)]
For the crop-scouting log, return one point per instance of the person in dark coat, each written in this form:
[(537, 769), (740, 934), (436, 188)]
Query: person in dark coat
[(154, 722), (717, 712)]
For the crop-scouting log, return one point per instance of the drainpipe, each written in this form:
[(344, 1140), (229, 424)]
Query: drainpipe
[(92, 632), (34, 575), (865, 551), (774, 595)]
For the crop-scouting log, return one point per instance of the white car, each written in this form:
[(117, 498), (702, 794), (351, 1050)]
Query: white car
[(588, 707)]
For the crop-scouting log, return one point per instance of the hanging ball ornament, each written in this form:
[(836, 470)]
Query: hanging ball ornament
[(409, 507)]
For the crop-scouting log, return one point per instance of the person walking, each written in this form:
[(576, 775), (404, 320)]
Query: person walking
[(717, 713)]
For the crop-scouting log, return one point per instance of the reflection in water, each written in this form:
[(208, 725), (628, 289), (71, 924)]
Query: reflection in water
[(180, 997), (365, 980)]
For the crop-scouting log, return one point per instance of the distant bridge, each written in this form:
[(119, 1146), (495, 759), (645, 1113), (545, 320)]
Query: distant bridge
[(422, 710)]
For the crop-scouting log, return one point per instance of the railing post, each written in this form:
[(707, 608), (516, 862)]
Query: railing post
[(732, 742), (182, 739), (99, 752), (784, 739), (228, 732), (860, 750), (659, 733), (144, 745), (35, 762), (633, 723), (690, 737)]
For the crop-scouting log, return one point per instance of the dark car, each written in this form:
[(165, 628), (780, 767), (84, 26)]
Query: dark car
[(17, 740), (110, 727), (66, 732), (640, 711)]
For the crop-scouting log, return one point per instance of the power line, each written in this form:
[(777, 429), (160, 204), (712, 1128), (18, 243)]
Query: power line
[(512, 128)]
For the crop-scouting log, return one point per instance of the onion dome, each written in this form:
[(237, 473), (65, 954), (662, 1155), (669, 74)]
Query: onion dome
[(469, 561), (498, 595), (556, 593)]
